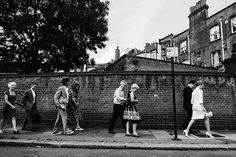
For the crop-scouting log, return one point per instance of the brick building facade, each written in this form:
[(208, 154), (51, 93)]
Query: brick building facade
[(155, 96), (209, 40)]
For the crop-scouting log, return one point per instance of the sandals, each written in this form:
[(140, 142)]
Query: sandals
[(128, 134), (135, 135)]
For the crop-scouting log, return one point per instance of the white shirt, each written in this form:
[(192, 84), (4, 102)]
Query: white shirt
[(33, 92), (67, 90), (119, 96)]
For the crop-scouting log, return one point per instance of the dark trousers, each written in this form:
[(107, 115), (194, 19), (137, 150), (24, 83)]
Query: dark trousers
[(118, 111), (188, 117), (28, 120)]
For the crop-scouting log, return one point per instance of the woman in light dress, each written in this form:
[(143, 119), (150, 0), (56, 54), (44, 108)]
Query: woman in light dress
[(199, 111)]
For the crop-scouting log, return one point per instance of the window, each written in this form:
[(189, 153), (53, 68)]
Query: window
[(183, 47), (153, 54), (233, 24), (215, 58), (215, 33)]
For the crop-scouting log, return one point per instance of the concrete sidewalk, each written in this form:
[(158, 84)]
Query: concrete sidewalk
[(100, 138)]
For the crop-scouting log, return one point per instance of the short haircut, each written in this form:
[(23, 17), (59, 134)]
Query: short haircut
[(192, 82), (65, 80), (134, 86), (10, 84), (199, 83), (123, 82)]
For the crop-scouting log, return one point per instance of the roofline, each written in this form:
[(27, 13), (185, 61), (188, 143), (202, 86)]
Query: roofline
[(174, 62), (165, 37), (181, 33), (116, 61), (221, 10), (125, 55)]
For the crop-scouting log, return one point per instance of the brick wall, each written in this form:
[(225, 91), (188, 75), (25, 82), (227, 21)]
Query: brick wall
[(155, 96)]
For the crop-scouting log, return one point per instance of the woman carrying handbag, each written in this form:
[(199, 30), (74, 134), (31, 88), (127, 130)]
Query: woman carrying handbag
[(130, 113)]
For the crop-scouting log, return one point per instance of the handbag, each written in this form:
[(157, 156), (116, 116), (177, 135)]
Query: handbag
[(209, 114), (131, 114)]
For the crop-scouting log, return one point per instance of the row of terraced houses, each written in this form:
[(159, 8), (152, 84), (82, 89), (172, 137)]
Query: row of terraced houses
[(207, 42)]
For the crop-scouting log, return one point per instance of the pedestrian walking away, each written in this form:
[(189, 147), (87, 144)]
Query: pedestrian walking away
[(118, 107), (9, 109), (61, 99), (199, 111), (187, 96)]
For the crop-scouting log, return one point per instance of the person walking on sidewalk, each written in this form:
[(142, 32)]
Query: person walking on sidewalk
[(9, 109), (73, 105), (30, 105), (187, 95), (199, 111), (61, 99), (118, 107), (130, 113)]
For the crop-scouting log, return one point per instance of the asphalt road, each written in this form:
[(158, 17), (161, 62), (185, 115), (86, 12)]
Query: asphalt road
[(64, 152)]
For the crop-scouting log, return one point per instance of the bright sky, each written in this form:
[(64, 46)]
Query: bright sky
[(132, 23)]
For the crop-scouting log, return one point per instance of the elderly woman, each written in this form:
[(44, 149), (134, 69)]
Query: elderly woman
[(9, 109), (131, 114), (199, 111)]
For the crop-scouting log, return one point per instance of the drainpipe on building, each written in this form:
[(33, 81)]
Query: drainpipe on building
[(156, 49), (222, 39), (189, 49)]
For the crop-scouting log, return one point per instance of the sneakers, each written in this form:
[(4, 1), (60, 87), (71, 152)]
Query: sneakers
[(57, 132), (70, 132), (79, 129)]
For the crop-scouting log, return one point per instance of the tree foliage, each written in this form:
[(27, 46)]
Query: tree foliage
[(50, 35)]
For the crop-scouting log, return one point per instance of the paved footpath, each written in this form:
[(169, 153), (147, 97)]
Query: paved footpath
[(100, 138)]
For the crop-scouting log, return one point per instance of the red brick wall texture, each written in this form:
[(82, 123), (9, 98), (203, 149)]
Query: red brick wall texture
[(155, 96)]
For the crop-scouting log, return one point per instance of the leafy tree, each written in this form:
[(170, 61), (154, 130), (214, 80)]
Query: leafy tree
[(50, 35)]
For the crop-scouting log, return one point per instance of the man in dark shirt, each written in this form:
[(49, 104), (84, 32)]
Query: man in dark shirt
[(187, 94)]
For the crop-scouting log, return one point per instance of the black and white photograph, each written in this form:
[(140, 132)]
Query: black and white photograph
[(117, 78)]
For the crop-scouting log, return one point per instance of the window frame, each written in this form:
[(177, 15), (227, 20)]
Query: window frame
[(184, 47), (215, 33), (213, 61), (231, 24)]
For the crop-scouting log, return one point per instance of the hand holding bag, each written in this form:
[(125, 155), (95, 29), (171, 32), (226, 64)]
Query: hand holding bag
[(209, 114)]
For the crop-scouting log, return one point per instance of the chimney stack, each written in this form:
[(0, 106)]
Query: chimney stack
[(117, 53)]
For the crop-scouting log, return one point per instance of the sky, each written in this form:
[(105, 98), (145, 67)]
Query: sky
[(133, 23)]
